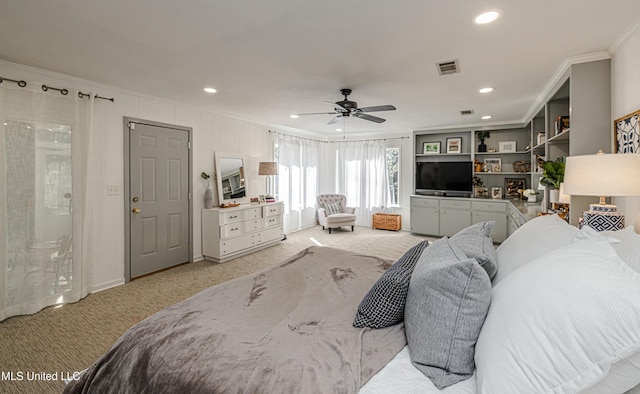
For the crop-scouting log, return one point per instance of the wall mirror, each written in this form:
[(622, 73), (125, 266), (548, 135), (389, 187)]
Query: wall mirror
[(230, 178)]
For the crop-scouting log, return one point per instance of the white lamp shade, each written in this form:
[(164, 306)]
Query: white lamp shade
[(268, 168), (563, 198), (603, 175)]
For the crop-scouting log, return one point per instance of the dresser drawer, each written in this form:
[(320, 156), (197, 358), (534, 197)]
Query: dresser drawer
[(232, 217), (233, 245), (252, 213), (456, 204), (271, 221), (232, 230), (424, 202), (271, 210), (492, 206)]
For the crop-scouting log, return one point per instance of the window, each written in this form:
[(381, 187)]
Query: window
[(393, 174)]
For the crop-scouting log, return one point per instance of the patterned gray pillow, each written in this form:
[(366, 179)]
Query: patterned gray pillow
[(448, 300), (476, 242), (383, 306), (332, 208)]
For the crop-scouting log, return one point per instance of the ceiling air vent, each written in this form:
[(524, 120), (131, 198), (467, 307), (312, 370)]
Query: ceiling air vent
[(450, 67), (466, 112)]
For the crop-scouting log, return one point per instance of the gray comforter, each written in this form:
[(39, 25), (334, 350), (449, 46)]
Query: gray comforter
[(287, 329)]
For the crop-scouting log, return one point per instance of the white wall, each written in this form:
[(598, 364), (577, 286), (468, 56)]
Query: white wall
[(625, 99), (211, 132)]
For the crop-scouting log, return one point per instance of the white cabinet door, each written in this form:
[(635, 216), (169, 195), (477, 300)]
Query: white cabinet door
[(499, 232), (453, 220), (425, 220)]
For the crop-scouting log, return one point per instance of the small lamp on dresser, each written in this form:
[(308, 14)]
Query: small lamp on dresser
[(268, 168), (603, 175)]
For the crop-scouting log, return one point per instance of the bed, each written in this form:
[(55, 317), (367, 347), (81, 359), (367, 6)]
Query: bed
[(553, 309)]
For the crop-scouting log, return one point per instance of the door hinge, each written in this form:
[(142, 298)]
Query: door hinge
[(189, 145), (132, 126), (189, 195)]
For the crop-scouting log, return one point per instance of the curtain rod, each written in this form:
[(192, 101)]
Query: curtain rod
[(328, 141), (62, 91)]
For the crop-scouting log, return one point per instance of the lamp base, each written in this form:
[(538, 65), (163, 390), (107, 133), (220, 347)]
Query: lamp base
[(603, 217)]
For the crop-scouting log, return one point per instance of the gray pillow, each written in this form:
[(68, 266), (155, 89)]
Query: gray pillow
[(383, 305), (448, 300), (476, 242)]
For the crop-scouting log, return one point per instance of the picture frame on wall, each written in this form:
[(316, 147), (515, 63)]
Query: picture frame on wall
[(431, 148), (493, 164), (507, 146), (454, 145), (496, 192), (513, 187), (625, 133)]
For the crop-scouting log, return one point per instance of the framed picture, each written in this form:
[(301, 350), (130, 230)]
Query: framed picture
[(493, 165), (431, 148), (454, 145), (262, 198), (513, 187), (506, 146), (480, 192), (625, 133), (496, 192)]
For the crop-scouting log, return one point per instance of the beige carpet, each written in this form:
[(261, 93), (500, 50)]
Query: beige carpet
[(69, 338)]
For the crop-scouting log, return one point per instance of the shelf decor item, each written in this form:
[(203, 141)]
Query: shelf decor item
[(431, 148), (493, 165), (513, 187), (208, 193), (521, 166), (625, 133), (482, 135), (603, 175), (454, 145), (507, 146), (496, 192), (530, 194)]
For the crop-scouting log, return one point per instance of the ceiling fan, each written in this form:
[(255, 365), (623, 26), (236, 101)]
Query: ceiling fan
[(346, 107)]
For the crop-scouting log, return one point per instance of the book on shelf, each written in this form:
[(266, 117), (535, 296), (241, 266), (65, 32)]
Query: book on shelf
[(561, 124)]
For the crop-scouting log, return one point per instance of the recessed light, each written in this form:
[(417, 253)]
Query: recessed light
[(486, 90), (487, 17), (210, 90), (486, 117), (338, 129), (294, 116)]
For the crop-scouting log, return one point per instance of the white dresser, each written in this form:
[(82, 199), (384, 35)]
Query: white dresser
[(228, 233)]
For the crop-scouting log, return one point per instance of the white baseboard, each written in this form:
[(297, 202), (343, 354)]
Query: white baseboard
[(107, 285)]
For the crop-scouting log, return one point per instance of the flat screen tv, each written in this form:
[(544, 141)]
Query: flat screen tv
[(450, 178)]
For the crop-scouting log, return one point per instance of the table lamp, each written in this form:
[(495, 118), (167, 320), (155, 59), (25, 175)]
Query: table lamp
[(603, 175), (268, 168)]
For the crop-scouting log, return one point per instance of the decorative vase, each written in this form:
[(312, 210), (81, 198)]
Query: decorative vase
[(482, 147), (208, 197), (554, 196), (531, 198)]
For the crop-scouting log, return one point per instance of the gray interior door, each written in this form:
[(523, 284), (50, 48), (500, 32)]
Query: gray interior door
[(159, 197)]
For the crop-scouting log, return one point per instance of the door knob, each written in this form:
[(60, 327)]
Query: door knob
[(135, 199), (135, 210)]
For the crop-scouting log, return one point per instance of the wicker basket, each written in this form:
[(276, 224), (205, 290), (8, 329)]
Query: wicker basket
[(522, 166), (387, 221)]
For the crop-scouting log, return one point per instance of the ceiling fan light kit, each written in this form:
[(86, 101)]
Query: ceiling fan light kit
[(346, 108)]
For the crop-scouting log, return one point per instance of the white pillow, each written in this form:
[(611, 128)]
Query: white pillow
[(629, 247), (559, 323), (534, 238)]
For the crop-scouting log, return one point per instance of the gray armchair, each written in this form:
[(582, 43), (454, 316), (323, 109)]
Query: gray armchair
[(333, 212)]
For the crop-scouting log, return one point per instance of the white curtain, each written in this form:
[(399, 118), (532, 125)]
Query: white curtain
[(46, 201), (297, 181), (361, 175)]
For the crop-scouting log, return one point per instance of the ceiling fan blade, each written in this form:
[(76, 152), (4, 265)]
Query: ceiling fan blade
[(317, 113), (369, 117), (335, 119), (378, 108), (337, 107)]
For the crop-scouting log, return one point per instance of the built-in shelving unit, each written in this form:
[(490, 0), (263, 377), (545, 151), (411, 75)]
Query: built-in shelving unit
[(574, 116)]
